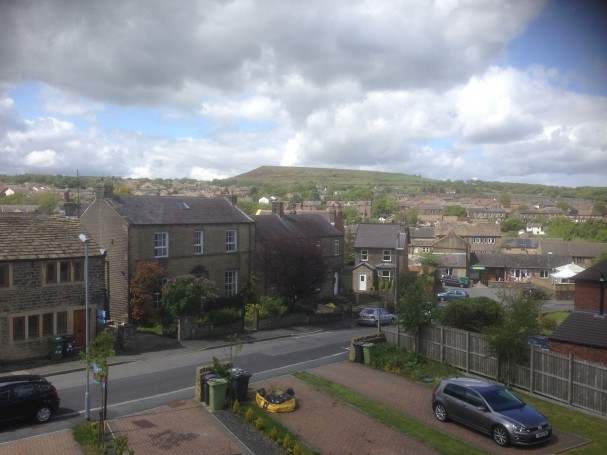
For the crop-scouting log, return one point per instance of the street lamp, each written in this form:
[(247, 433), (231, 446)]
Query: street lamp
[(602, 298), (87, 399)]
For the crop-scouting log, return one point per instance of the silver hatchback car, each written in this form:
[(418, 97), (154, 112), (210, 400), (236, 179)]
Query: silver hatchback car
[(491, 409)]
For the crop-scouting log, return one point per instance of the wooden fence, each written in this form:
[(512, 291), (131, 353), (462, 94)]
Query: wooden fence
[(557, 376)]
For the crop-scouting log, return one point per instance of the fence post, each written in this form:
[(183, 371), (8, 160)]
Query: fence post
[(570, 380), (442, 343), (467, 352), (532, 370)]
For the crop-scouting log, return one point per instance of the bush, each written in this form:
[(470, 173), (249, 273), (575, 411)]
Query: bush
[(474, 314), (222, 316), (249, 415)]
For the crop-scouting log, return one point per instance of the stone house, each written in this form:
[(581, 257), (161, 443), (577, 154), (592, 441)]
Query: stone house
[(42, 283), (380, 252), (584, 333), (515, 267), (208, 237), (297, 236)]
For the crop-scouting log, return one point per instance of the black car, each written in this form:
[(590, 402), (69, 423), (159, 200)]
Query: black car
[(27, 396), (450, 280), (491, 409)]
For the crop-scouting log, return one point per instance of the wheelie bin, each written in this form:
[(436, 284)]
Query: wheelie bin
[(217, 393)]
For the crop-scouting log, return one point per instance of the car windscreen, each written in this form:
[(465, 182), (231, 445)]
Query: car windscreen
[(500, 399)]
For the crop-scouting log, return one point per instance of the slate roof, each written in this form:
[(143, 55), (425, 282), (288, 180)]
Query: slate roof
[(297, 226), (422, 232), (582, 328), (468, 229), (35, 237), (574, 249), (531, 261), (381, 235), (592, 273), (157, 210)]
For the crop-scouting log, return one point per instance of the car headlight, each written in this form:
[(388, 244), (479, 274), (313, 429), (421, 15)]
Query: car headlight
[(520, 429)]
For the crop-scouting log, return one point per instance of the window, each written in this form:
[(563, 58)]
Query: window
[(61, 322), (230, 240), (19, 328), (51, 272), (386, 256), (64, 271), (198, 242), (47, 324), (33, 326), (336, 247), (544, 273), (386, 275), (426, 249), (231, 283), (364, 255), (161, 244), (317, 244), (78, 270), (5, 279)]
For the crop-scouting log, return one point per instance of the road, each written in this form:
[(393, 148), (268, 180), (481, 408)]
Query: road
[(146, 384)]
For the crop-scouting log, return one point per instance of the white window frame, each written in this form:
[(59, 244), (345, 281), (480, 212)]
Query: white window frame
[(336, 247), (231, 283), (386, 275), (386, 254), (231, 241), (198, 242), (364, 255), (161, 244)]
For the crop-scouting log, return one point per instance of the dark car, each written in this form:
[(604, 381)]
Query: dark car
[(540, 341), (450, 280), (537, 293), (369, 316), (491, 409), (27, 396), (452, 294)]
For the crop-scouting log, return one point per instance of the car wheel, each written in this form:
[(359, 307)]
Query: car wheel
[(500, 435), (43, 414), (440, 412)]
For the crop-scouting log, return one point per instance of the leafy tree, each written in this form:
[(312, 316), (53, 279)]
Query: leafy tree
[(565, 206), (513, 224), (429, 262), (145, 282), (100, 349), (600, 207), (521, 318), (412, 216), (504, 199), (561, 227), (454, 210), (384, 206), (249, 207), (350, 216), (349, 253), (600, 258), (474, 315), (415, 305), (186, 295), (291, 268)]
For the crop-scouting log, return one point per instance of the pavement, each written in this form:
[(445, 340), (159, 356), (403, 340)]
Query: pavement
[(324, 423)]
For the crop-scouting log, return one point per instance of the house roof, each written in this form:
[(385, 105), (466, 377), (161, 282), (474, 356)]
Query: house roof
[(156, 210), (297, 226), (574, 249), (593, 273), (582, 328), (531, 261), (422, 232), (29, 237), (468, 229), (379, 235)]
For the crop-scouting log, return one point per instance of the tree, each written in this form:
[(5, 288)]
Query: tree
[(429, 262), (384, 206), (415, 305), (291, 268), (504, 199), (561, 227), (520, 319), (513, 224), (145, 282), (600, 207), (476, 314), (454, 210), (412, 216), (187, 295), (350, 216)]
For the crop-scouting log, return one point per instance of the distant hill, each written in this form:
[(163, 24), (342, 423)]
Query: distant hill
[(282, 175)]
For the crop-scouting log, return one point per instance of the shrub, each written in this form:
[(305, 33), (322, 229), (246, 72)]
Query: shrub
[(274, 434), (474, 314), (236, 407), (260, 424), (249, 415), (222, 316), (286, 442)]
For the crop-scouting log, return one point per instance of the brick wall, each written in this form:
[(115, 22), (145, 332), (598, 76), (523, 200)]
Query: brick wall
[(590, 354), (586, 296)]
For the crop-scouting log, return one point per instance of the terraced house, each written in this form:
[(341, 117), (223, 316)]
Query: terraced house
[(42, 283), (208, 237)]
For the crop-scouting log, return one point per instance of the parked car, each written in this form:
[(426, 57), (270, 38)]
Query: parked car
[(369, 316), (450, 280), (537, 293), (27, 396), (452, 294), (491, 409)]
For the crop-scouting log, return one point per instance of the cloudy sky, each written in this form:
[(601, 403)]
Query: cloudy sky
[(501, 90)]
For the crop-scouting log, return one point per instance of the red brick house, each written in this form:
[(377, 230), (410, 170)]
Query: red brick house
[(42, 283), (584, 332)]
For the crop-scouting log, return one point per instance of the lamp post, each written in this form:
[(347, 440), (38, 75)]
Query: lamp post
[(602, 297), (87, 398)]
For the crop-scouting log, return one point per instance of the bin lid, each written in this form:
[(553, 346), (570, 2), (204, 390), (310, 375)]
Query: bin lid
[(215, 381), (368, 345), (56, 338)]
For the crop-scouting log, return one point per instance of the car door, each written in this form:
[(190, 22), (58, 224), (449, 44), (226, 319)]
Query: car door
[(475, 412), (25, 399), (455, 399)]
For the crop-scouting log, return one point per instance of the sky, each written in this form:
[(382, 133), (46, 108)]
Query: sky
[(496, 90)]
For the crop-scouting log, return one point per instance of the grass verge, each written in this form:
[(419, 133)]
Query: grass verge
[(433, 438)]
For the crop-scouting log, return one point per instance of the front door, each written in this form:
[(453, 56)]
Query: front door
[(362, 285), (80, 328)]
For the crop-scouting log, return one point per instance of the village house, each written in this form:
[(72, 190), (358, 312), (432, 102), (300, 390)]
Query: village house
[(43, 285), (208, 237)]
